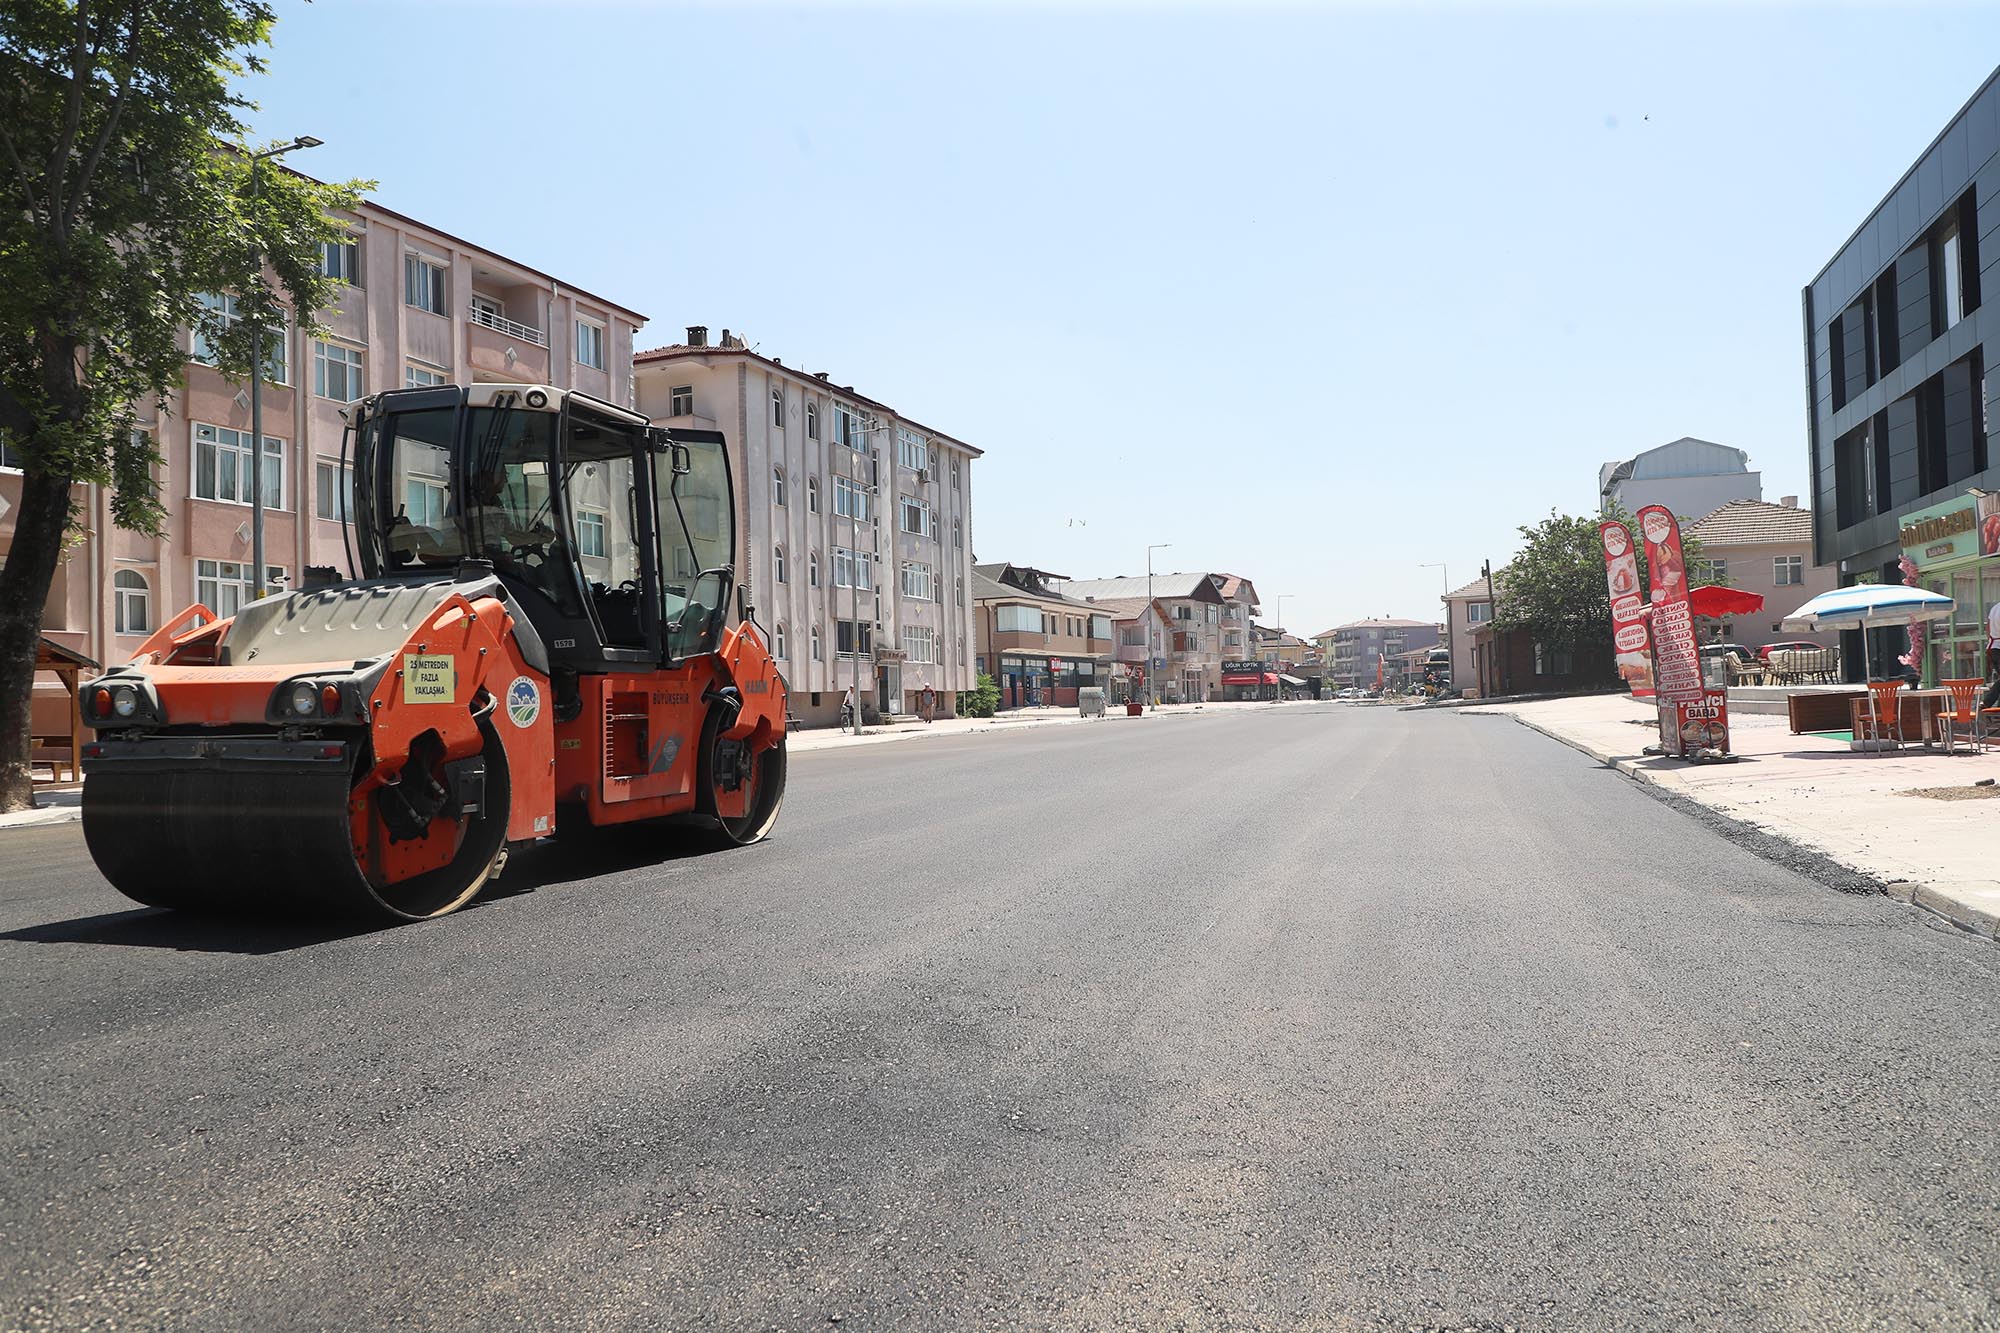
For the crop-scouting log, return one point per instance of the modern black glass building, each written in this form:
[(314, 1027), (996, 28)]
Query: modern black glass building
[(1903, 366)]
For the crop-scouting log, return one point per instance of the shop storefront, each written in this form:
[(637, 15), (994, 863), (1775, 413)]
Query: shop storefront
[(1953, 548), (1248, 681), (1035, 682)]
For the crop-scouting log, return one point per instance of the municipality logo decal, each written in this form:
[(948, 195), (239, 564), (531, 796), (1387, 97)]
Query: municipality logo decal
[(524, 702)]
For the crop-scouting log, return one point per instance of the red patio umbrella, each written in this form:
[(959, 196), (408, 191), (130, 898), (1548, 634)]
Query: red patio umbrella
[(1709, 600)]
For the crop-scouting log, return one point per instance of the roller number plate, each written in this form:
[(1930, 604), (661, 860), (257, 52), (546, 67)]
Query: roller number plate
[(429, 680)]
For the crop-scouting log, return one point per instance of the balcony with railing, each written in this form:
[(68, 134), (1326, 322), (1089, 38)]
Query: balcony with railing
[(498, 322), (503, 348)]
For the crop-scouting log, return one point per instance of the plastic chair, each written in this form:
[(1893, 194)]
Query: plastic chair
[(1964, 712), (1885, 714)]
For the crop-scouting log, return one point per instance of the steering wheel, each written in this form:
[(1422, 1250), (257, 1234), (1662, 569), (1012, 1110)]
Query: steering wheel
[(630, 587), (521, 554)]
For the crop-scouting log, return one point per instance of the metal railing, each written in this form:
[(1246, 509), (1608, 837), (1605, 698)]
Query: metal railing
[(501, 324)]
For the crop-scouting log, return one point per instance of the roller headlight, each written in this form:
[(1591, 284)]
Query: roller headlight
[(305, 699), (124, 701)]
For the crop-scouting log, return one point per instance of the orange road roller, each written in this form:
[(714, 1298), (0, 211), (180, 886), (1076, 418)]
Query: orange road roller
[(544, 635)]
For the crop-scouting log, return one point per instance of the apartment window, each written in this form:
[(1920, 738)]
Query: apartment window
[(848, 428), (1551, 662), (778, 564), (1478, 613), (911, 451), (778, 643), (132, 609), (590, 533), (1951, 276), (1788, 571), (1132, 637), (424, 501), (589, 344), (680, 400), (918, 581), (850, 499), (222, 466), (850, 569), (337, 372), (954, 473), (332, 485), (958, 533), (228, 314), (1018, 619), (10, 457), (778, 407), (817, 656), (812, 495), (1711, 571), (915, 517), (1100, 627), (812, 421), (778, 486), (919, 645), (1183, 612), (423, 284), (421, 377), (342, 260), (961, 592), (225, 586), (853, 636), (812, 569)]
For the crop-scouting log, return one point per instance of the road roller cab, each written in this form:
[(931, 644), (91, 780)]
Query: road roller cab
[(539, 639)]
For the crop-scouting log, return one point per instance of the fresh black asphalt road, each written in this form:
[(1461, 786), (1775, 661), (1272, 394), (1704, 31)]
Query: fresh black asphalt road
[(1313, 1017)]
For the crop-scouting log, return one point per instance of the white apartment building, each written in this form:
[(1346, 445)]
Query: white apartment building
[(856, 523)]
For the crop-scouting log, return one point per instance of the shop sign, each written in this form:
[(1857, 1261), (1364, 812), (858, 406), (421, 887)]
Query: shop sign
[(1703, 724), (891, 655), (1242, 668), (1629, 639), (1942, 532)]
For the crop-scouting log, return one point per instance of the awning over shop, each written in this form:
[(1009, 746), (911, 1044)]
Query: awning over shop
[(1250, 678), (1290, 680)]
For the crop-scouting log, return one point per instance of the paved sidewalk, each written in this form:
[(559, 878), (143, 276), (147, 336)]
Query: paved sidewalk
[(1941, 854), (56, 805), (1013, 719)]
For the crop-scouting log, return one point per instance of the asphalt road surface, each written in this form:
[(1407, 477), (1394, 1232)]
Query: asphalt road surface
[(1328, 1017)]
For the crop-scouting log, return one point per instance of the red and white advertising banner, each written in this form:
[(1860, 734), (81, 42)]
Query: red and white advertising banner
[(1704, 724), (1629, 639), (1676, 661)]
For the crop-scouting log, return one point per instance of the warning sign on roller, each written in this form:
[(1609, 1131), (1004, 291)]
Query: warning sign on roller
[(428, 680)]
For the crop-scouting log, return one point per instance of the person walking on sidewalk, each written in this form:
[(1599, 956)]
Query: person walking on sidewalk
[(927, 704)]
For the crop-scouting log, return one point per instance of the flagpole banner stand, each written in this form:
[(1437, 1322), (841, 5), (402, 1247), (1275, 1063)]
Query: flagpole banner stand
[(1686, 730), (1630, 642)]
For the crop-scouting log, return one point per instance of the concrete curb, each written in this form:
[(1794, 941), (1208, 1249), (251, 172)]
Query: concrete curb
[(1973, 907), (42, 817)]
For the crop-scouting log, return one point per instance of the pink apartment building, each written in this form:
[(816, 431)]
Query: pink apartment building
[(424, 307)]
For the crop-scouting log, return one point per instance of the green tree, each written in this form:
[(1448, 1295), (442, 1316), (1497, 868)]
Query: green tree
[(127, 196), (982, 700), (1554, 589)]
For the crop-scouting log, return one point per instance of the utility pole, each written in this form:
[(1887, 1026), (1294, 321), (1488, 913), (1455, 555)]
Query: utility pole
[(1152, 694), (1278, 657), (257, 377)]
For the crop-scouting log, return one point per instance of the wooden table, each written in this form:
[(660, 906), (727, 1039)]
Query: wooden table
[(1916, 711)]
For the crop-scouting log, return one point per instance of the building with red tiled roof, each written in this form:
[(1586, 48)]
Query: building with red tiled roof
[(1766, 549)]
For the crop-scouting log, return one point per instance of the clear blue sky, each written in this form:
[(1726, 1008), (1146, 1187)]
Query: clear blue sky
[(1316, 296)]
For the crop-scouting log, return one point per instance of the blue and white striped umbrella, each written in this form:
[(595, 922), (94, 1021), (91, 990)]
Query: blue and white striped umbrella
[(1867, 604)]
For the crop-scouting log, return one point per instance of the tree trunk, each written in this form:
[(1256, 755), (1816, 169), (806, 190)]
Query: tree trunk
[(40, 522)]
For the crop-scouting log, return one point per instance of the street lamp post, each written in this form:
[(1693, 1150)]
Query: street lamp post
[(1152, 694), (1448, 645), (257, 378), (1278, 657)]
